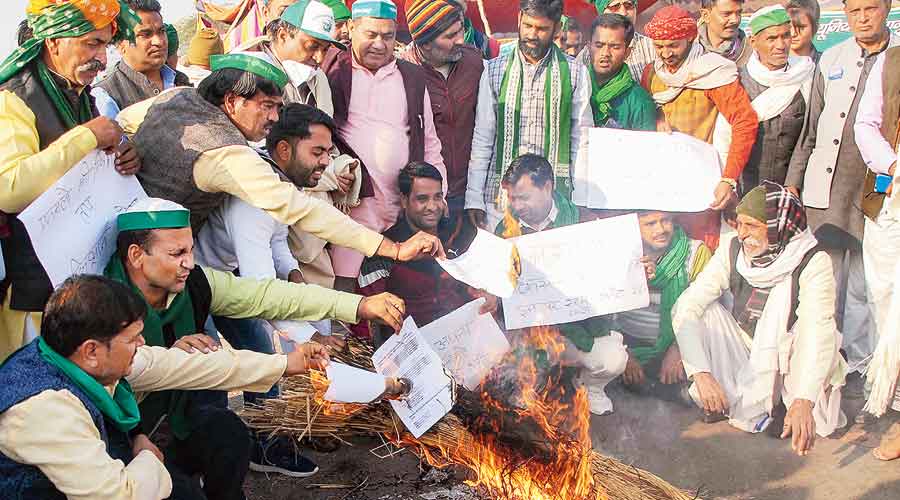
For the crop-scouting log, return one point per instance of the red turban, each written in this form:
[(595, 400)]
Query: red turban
[(671, 23)]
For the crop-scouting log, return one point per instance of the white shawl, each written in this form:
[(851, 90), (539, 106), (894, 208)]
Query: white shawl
[(701, 71), (783, 85)]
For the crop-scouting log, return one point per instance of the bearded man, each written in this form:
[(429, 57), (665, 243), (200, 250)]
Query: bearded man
[(772, 361)]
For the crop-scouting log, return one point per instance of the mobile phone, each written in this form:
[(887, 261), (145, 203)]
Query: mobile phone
[(882, 183)]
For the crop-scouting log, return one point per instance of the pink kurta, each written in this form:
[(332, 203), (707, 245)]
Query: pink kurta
[(376, 129)]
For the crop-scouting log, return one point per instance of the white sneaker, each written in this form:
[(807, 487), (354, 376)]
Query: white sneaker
[(600, 403)]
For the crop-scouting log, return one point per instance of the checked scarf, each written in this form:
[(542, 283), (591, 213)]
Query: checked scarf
[(786, 219), (557, 115), (180, 315), (51, 19), (602, 96)]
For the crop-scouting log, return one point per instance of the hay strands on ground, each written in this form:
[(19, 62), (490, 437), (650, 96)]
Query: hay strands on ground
[(300, 412)]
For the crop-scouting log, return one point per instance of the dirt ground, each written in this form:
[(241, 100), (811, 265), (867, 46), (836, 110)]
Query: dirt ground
[(718, 461)]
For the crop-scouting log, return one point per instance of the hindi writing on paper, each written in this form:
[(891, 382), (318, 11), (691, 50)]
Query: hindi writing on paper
[(578, 272), (408, 355), (72, 225), (469, 344), (630, 170)]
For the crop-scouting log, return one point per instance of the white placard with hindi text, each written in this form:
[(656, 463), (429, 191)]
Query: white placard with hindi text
[(72, 225), (631, 170), (408, 355), (469, 343), (578, 272)]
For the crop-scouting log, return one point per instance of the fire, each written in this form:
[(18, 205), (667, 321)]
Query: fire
[(534, 444)]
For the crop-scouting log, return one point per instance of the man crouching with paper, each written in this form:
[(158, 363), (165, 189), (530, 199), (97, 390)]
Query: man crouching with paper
[(535, 206), (70, 423), (772, 361)]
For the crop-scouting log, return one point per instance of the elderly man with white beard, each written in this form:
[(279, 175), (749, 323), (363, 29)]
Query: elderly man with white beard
[(771, 362)]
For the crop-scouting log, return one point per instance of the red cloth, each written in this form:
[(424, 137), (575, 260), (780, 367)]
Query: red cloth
[(671, 23)]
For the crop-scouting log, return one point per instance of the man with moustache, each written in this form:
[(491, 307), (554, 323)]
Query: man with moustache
[(452, 70), (341, 20), (617, 100), (720, 30), (142, 73), (641, 51), (771, 363), (533, 99), (426, 289), (48, 123), (779, 85), (693, 89), (805, 24), (383, 113), (830, 174)]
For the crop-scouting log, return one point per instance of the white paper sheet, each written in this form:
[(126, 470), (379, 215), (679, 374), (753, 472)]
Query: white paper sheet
[(486, 265), (626, 169), (577, 272), (348, 384), (72, 225), (469, 344), (408, 355)]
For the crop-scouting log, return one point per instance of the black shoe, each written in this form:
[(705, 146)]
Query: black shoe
[(776, 426), (279, 454)]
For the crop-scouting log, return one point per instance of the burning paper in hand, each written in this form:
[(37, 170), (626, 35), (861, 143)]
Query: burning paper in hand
[(348, 384), (490, 263), (408, 355)]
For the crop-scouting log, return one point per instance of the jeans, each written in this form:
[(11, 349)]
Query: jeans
[(251, 335)]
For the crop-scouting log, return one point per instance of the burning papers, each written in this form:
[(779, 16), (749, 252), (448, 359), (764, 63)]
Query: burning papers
[(577, 272), (348, 384), (408, 355), (490, 264), (469, 343)]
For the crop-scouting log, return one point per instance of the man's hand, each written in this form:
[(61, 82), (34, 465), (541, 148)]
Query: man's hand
[(891, 170), (107, 132), (649, 267), (634, 373), (794, 190), (476, 217), (490, 302), (711, 394), (199, 341), (672, 369), (662, 125), (306, 356), (336, 342), (383, 308), (345, 181), (141, 442), (420, 245), (127, 160), (724, 195), (801, 426)]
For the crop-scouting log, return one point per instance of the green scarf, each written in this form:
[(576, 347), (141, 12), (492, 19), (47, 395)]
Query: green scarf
[(70, 117), (63, 20), (469, 33), (121, 409), (602, 96), (557, 115), (672, 279), (180, 315)]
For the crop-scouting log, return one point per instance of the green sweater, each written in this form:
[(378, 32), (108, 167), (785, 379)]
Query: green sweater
[(634, 109)]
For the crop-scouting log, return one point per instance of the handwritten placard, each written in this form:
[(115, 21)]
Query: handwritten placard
[(578, 272), (468, 343), (629, 170), (72, 225)]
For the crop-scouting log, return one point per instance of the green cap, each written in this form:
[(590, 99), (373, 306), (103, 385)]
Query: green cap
[(754, 204), (381, 9), (773, 15), (313, 18), (257, 63), (153, 213), (172, 38), (339, 8)]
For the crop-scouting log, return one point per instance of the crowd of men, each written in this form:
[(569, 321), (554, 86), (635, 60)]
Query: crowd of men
[(316, 173)]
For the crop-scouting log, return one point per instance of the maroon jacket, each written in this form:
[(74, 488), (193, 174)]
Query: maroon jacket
[(453, 102)]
